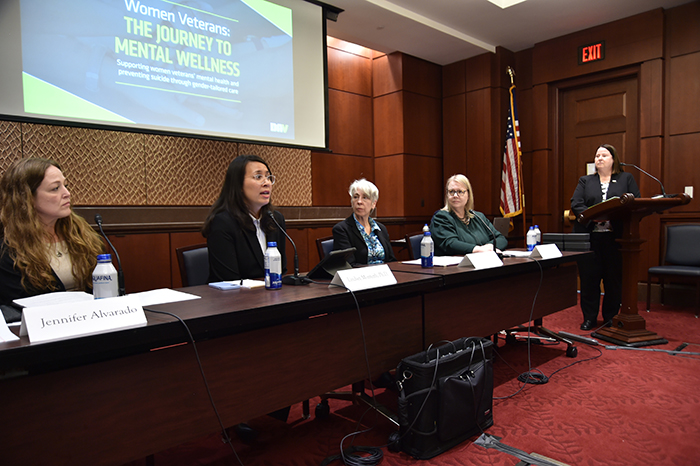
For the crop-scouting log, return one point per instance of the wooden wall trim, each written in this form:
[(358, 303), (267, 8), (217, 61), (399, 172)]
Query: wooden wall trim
[(167, 219)]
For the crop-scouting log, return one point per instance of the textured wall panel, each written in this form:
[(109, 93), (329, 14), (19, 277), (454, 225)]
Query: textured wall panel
[(185, 171), (10, 143), (292, 168), (102, 167)]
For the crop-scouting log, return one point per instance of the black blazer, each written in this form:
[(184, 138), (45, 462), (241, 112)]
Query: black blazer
[(588, 193), (234, 251), (11, 286), (346, 235)]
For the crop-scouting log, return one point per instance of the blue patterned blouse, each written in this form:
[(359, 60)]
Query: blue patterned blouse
[(375, 250)]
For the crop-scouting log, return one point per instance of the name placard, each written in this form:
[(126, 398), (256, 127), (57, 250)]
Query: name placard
[(545, 251), (364, 278), (64, 321), (481, 260)]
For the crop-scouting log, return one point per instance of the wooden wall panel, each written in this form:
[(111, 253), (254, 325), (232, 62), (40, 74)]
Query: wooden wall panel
[(388, 124), (454, 79), (421, 77), (145, 260), (684, 89), (422, 117), (539, 133), (423, 194), (349, 72), (479, 72), (387, 74), (350, 123), (628, 41), (651, 160), (651, 93), (333, 174), (683, 33), (391, 181), (479, 147), (682, 168), (454, 124)]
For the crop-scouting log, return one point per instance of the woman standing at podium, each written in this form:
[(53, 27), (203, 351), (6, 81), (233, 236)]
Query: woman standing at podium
[(44, 245), (239, 226), (607, 182)]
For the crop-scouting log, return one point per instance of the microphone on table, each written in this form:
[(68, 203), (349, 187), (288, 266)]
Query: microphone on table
[(493, 235), (663, 191), (120, 272), (290, 279)]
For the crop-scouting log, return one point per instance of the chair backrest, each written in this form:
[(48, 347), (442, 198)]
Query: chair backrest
[(194, 264), (413, 241), (502, 224), (324, 246), (683, 244)]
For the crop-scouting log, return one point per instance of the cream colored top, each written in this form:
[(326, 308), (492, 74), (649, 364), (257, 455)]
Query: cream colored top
[(62, 265)]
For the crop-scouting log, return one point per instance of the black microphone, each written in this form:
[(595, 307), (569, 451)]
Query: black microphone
[(290, 279), (486, 224), (663, 191), (120, 272)]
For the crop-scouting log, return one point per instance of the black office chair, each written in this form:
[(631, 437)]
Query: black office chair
[(194, 264), (682, 260), (324, 246), (413, 241)]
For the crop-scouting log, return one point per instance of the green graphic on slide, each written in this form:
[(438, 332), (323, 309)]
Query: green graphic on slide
[(46, 99), (276, 14)]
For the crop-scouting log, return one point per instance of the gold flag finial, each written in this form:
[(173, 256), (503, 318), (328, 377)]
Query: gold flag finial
[(511, 73)]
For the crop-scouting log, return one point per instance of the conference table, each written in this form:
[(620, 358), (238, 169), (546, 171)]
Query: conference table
[(120, 396)]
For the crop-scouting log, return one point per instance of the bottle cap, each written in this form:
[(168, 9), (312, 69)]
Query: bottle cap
[(104, 257), (272, 244)]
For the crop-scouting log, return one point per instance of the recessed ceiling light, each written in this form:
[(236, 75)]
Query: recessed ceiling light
[(505, 3)]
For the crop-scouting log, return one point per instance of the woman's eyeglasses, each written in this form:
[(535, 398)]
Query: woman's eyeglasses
[(260, 177), (458, 192)]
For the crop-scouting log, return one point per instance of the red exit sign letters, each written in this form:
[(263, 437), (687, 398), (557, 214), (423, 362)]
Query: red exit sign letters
[(591, 52)]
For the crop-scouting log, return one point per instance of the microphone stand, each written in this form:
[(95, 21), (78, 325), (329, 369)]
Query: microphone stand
[(663, 191), (290, 279), (120, 272), (493, 235)]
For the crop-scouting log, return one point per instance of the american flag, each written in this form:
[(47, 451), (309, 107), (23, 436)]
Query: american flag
[(511, 189)]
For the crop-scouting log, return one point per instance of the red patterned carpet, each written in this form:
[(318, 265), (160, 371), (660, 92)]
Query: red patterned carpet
[(624, 407)]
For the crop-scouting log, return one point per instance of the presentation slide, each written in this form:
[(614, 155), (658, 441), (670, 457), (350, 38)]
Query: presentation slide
[(218, 67)]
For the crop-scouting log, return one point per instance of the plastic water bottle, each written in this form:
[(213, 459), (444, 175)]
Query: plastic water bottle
[(273, 267), (539, 234), (531, 239), (427, 249), (104, 278)]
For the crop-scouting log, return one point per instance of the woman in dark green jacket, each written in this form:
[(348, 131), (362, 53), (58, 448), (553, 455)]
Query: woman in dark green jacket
[(457, 229)]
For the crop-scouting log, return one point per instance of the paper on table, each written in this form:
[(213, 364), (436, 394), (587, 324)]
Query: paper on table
[(516, 253), (163, 296), (439, 261), (58, 297)]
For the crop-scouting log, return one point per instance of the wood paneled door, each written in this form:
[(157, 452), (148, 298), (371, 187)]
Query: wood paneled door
[(591, 114)]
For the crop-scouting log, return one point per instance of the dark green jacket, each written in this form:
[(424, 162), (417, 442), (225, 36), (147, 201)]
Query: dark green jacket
[(454, 238)]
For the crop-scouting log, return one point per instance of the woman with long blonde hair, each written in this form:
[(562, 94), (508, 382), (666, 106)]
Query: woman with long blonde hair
[(44, 245)]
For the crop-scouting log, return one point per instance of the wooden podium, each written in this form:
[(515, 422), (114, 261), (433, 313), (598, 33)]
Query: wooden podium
[(628, 327)]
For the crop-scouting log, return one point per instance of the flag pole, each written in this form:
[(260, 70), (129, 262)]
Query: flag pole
[(511, 176)]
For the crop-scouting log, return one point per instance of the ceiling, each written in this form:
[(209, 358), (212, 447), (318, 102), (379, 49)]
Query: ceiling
[(446, 31)]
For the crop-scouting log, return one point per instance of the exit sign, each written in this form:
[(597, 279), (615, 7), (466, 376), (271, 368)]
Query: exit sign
[(591, 52)]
